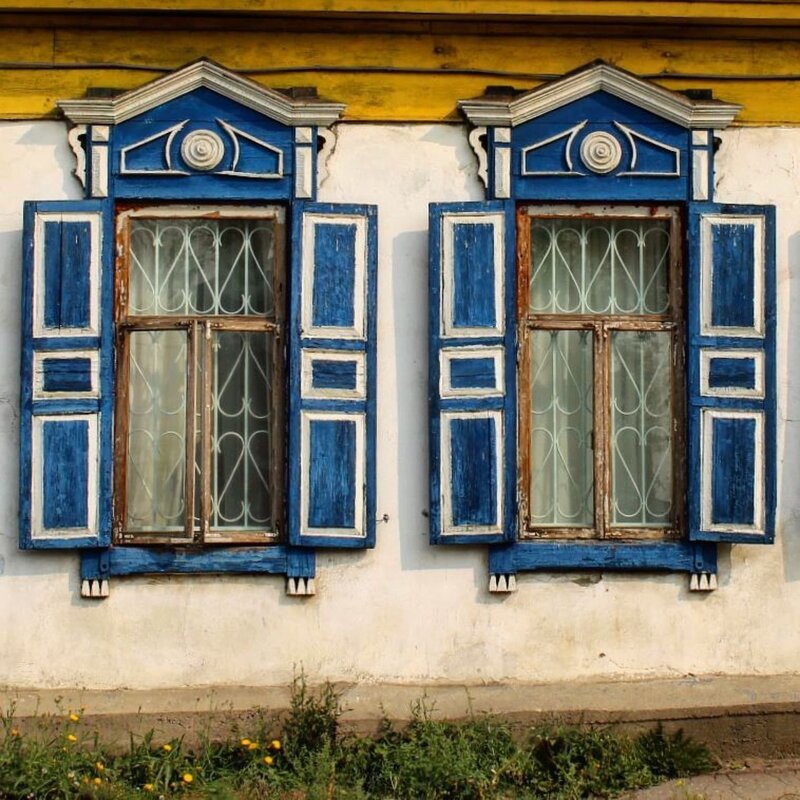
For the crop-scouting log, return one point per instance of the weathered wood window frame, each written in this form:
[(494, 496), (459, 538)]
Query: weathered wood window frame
[(601, 326), (197, 530)]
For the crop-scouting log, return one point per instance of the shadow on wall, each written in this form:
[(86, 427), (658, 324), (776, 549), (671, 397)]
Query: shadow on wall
[(788, 527)]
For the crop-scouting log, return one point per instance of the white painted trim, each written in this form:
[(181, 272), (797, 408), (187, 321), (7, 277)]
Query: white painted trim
[(38, 532), (303, 135), (235, 133), (303, 172), (707, 223), (359, 328), (448, 528), (502, 172), (700, 137), (306, 417), (39, 356), (309, 391), (73, 137), (699, 174), (632, 135), (708, 416), (480, 153), (708, 354), (502, 135), (449, 221), (449, 354), (168, 133), (644, 94), (203, 73), (95, 251), (200, 212), (99, 170), (569, 134), (328, 138), (101, 133)]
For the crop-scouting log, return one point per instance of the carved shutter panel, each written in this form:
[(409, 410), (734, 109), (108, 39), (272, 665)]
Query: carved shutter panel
[(67, 363), (332, 376), (472, 373), (731, 360)]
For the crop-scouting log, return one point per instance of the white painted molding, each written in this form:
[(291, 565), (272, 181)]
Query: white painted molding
[(328, 137), (95, 589), (645, 94), (502, 584), (480, 152), (277, 106), (300, 587), (703, 582), (74, 139)]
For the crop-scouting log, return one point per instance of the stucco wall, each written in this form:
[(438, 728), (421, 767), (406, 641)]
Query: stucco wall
[(404, 612)]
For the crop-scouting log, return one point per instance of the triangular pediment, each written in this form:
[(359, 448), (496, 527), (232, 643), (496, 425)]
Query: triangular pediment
[(507, 111), (204, 73)]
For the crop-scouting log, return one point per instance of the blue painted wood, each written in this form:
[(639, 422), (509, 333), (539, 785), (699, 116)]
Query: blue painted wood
[(530, 556), (733, 487), (473, 275), (327, 374), (66, 375), (733, 275), (472, 373), (203, 109), (732, 458), (65, 474), (735, 373), (473, 470), (332, 474), (325, 507), (66, 265), (333, 294), (469, 492)]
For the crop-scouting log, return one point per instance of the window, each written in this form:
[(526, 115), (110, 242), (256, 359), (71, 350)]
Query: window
[(199, 446), (600, 373)]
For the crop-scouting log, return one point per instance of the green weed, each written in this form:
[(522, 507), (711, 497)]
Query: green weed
[(310, 758)]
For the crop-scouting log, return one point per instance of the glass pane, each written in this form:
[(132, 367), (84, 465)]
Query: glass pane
[(242, 444), (599, 266), (561, 429), (641, 422), (156, 431), (182, 267)]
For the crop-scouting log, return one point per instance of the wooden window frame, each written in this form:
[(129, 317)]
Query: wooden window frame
[(198, 326), (601, 326)]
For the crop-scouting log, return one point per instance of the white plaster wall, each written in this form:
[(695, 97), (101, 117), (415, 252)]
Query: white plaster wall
[(404, 612)]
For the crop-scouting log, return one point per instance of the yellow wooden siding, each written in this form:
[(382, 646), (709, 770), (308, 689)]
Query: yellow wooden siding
[(388, 76)]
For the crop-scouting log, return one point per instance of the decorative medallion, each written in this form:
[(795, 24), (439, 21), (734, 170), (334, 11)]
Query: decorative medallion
[(601, 152), (202, 150)]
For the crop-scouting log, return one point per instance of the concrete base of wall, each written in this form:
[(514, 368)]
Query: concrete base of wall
[(734, 716)]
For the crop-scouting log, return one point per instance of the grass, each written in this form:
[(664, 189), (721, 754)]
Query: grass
[(306, 756)]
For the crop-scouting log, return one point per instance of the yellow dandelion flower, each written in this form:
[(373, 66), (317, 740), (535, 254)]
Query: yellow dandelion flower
[(148, 787), (99, 766), (187, 777), (252, 746), (275, 744), (167, 748), (71, 737), (268, 760), (14, 732), (85, 779), (245, 743), (96, 781), (74, 717)]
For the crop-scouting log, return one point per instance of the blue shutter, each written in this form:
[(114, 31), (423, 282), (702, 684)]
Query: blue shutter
[(66, 371), (332, 376), (472, 370), (731, 362)]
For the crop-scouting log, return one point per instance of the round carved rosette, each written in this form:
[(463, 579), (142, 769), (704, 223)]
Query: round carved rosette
[(202, 150), (601, 152)]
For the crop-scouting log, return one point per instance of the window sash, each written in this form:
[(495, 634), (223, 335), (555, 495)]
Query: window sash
[(601, 327), (199, 426)]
